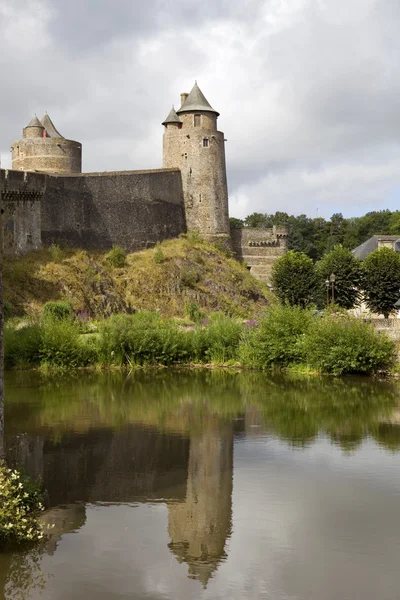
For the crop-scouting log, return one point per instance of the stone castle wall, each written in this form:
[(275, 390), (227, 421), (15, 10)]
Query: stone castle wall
[(47, 155), (131, 209), (20, 200), (259, 248)]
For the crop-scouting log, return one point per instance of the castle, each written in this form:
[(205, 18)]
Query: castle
[(46, 199)]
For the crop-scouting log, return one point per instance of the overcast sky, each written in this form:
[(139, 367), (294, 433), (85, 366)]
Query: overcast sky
[(308, 90)]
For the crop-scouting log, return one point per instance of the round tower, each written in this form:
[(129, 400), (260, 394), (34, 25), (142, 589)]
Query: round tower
[(43, 148), (193, 145)]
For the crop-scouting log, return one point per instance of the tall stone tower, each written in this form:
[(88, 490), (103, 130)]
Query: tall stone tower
[(193, 144), (43, 148)]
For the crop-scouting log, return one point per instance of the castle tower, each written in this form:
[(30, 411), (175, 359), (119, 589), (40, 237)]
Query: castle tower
[(193, 144), (43, 148)]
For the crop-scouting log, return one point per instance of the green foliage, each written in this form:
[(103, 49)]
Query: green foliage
[(381, 281), (57, 310), (189, 277), (347, 271), (277, 341), (19, 500), (194, 313), (217, 340), (61, 346), (294, 279), (8, 310), (142, 339), (22, 346), (116, 257), (346, 345), (235, 223), (158, 255), (56, 253)]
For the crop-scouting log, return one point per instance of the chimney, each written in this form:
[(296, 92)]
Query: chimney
[(183, 98)]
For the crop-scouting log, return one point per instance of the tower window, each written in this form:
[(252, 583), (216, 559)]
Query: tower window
[(206, 142), (197, 120)]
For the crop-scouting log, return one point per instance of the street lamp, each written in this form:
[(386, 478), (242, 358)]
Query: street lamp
[(332, 280), (327, 284)]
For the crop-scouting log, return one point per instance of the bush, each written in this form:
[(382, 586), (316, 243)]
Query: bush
[(217, 340), (381, 281), (158, 255), (57, 310), (116, 257), (194, 312), (278, 339), (19, 500), (294, 279), (142, 339), (189, 277), (22, 346), (8, 310), (346, 345), (61, 346), (347, 270), (56, 253)]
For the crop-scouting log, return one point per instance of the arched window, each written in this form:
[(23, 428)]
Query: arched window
[(197, 121)]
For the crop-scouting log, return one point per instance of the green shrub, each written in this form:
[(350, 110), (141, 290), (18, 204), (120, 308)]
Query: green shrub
[(116, 257), (194, 312), (56, 253), (277, 340), (22, 346), (189, 277), (294, 279), (20, 499), (142, 339), (61, 345), (57, 310), (158, 255), (217, 340), (8, 310), (346, 345)]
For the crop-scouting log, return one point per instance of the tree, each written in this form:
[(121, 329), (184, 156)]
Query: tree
[(236, 223), (1, 342), (347, 270), (381, 281), (294, 279)]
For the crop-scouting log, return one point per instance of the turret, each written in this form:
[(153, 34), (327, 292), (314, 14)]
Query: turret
[(43, 148), (193, 144)]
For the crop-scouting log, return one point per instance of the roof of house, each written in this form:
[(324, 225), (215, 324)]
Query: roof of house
[(34, 122), (372, 244), (172, 117), (50, 127), (196, 101)]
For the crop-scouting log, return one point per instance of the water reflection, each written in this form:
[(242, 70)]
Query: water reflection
[(169, 438)]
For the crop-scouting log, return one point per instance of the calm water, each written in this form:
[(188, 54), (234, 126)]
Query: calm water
[(208, 485)]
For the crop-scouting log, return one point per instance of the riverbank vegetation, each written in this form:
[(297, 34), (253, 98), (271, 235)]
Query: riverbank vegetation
[(284, 337)]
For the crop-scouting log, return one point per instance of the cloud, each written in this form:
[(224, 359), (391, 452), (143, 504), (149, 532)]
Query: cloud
[(307, 90)]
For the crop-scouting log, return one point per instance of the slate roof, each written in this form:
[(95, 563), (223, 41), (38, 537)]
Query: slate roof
[(196, 101), (34, 123), (50, 127), (372, 244), (172, 117)]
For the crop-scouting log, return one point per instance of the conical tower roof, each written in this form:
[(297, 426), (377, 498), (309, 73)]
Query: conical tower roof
[(172, 117), (34, 123), (50, 127), (196, 101)]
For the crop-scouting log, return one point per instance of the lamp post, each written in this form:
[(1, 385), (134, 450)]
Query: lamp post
[(327, 284), (332, 280)]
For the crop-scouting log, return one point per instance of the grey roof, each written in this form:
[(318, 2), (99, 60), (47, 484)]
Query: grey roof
[(172, 117), (372, 244), (50, 127), (196, 101), (34, 123)]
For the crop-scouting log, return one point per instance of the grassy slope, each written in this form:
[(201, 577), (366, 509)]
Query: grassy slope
[(90, 284)]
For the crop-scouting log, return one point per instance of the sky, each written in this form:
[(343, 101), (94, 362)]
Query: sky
[(307, 90)]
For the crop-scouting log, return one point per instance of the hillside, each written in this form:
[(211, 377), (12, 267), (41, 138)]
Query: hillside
[(175, 276)]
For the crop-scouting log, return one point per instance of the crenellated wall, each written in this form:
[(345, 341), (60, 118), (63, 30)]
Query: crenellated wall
[(20, 199), (259, 248)]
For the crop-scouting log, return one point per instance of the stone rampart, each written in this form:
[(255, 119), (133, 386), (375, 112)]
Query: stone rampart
[(131, 209), (20, 198), (259, 248)]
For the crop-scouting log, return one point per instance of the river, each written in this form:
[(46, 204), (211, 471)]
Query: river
[(207, 485)]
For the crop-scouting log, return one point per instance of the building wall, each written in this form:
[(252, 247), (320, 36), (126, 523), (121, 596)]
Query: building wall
[(47, 155), (203, 173), (131, 209), (20, 200), (259, 248)]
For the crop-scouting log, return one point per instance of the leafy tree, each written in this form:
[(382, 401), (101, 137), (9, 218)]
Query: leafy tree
[(294, 279), (381, 281), (258, 220), (236, 223), (347, 271)]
